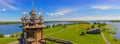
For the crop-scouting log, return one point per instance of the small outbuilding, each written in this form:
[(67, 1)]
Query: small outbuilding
[(94, 31)]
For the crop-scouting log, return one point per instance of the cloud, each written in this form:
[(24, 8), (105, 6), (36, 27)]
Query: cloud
[(39, 13), (98, 18), (87, 18), (112, 0), (61, 12), (4, 9), (104, 7), (24, 12), (7, 3), (91, 18)]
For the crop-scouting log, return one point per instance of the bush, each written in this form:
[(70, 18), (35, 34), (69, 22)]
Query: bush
[(54, 25), (92, 26), (99, 26), (47, 26), (1, 35), (59, 24), (94, 23)]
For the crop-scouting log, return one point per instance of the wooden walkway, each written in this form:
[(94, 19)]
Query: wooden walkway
[(49, 39), (55, 32), (58, 41), (16, 42)]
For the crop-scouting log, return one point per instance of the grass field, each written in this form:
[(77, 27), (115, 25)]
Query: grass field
[(71, 33), (7, 40), (109, 37)]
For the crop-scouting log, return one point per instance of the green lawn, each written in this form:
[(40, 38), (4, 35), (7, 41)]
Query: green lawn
[(71, 33), (52, 30), (7, 40)]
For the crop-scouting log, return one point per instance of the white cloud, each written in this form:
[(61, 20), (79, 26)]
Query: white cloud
[(24, 12), (95, 18), (112, 0), (104, 7), (39, 13), (50, 13), (61, 12), (7, 3), (87, 18), (4, 9)]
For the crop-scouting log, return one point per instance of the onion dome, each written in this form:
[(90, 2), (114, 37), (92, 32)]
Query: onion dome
[(24, 13), (33, 13), (23, 18), (26, 17), (41, 17), (36, 18), (31, 18)]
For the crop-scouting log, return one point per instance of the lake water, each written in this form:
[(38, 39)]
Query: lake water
[(12, 28), (117, 26)]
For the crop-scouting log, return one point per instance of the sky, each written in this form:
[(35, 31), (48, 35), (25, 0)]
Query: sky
[(62, 10)]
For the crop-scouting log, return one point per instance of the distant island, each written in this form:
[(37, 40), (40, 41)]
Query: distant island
[(19, 22)]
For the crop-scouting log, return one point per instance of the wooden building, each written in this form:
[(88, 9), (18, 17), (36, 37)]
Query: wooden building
[(94, 31), (32, 28)]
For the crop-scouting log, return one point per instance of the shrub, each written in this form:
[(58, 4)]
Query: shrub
[(54, 25), (1, 35), (47, 26), (99, 26), (92, 27), (94, 23), (59, 25)]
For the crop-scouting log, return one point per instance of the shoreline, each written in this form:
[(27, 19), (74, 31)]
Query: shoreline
[(49, 30), (4, 23), (7, 35)]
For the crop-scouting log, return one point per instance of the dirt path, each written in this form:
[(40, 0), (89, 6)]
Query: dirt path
[(55, 32), (16, 42), (106, 41)]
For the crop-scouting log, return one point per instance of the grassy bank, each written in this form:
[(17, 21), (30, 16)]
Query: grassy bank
[(10, 22), (111, 39), (72, 32), (108, 33), (7, 40)]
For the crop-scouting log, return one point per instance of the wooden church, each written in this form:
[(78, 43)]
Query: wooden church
[(32, 29)]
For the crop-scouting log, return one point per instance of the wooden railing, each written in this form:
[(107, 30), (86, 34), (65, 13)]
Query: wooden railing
[(52, 40)]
